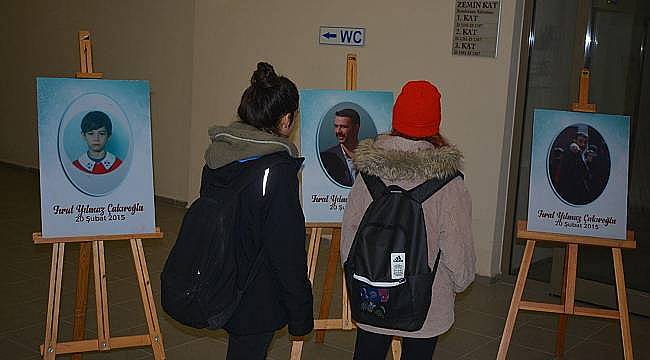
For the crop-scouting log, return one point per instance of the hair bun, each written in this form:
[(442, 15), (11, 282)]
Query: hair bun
[(265, 76)]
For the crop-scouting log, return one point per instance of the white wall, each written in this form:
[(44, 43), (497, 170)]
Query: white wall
[(199, 56), (404, 41), (149, 40)]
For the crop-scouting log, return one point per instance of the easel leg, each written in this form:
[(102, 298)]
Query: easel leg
[(516, 299), (345, 306), (561, 326), (147, 299), (312, 254), (101, 295), (622, 304), (332, 265), (81, 298), (396, 348), (296, 349), (312, 259), (569, 294), (54, 302)]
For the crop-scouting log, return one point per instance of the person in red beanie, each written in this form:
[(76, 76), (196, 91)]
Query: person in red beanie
[(414, 152)]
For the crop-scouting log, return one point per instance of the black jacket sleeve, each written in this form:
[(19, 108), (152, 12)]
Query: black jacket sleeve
[(283, 238)]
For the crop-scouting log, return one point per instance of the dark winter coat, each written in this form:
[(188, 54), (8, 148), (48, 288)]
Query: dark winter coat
[(271, 220)]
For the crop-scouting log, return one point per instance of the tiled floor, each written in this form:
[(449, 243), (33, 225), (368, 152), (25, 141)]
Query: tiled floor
[(480, 311)]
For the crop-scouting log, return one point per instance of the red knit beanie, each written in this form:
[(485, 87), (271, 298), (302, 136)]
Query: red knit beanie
[(417, 110)]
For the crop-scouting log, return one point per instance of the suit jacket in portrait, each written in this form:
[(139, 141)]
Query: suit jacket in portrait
[(334, 163)]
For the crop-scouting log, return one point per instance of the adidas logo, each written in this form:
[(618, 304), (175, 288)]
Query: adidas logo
[(398, 259)]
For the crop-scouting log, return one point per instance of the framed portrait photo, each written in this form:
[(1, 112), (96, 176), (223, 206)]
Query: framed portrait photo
[(579, 174), (332, 122), (95, 157)]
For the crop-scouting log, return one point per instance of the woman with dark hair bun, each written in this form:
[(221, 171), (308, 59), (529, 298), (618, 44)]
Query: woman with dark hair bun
[(270, 218), (268, 98)]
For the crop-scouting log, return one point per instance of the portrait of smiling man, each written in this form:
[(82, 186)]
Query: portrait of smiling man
[(337, 160)]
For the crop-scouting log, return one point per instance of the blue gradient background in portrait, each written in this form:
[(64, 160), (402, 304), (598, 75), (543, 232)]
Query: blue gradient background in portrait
[(61, 105), (615, 129), (316, 119)]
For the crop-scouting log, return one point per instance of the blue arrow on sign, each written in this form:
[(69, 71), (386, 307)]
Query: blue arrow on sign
[(329, 35)]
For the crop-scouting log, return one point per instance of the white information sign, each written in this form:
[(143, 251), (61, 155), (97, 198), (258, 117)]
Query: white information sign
[(476, 28), (347, 36)]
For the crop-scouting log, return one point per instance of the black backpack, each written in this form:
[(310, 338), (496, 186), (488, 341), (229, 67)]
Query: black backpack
[(202, 281), (389, 279)]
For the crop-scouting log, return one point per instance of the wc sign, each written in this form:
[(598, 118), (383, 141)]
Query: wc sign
[(342, 36)]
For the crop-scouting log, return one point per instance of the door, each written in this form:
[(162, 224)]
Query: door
[(609, 37), (621, 85), (553, 65)]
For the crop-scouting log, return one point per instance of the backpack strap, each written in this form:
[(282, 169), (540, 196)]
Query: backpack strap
[(374, 185), (424, 191), (435, 264)]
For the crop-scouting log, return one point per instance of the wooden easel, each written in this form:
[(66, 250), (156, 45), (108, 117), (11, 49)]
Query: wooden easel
[(583, 104), (104, 342), (568, 307), (316, 231)]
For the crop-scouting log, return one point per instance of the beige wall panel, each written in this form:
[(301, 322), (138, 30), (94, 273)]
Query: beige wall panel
[(149, 40), (199, 57), (404, 40)]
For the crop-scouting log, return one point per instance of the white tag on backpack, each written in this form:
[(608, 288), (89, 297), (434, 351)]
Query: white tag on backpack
[(397, 265)]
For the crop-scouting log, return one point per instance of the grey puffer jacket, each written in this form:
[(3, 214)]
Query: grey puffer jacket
[(448, 218)]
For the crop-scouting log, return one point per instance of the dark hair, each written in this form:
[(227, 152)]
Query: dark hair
[(350, 113), (436, 140), (267, 99), (582, 133), (95, 120)]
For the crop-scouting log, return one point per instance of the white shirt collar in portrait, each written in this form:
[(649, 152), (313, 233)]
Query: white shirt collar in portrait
[(89, 164)]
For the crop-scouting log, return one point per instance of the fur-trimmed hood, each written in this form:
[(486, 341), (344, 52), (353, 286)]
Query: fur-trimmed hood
[(398, 159)]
